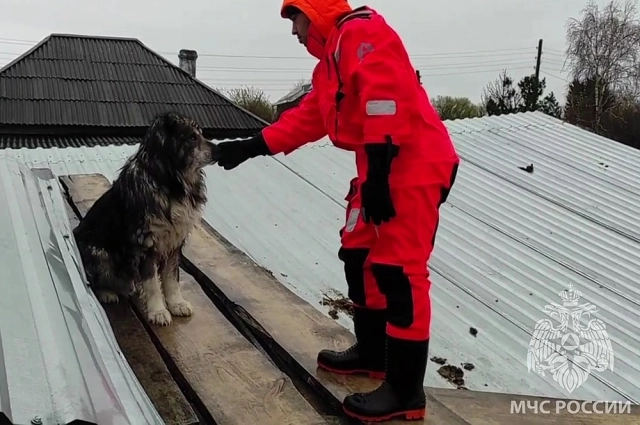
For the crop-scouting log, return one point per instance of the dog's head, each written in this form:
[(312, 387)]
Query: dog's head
[(178, 139)]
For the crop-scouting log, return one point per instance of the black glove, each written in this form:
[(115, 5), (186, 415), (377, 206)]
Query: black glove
[(377, 205), (231, 154)]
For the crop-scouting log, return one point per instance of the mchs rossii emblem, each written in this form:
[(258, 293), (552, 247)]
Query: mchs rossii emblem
[(570, 351)]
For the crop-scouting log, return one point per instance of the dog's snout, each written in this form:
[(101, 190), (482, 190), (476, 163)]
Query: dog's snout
[(212, 152)]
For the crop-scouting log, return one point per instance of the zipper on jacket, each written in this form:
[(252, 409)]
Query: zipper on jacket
[(339, 95)]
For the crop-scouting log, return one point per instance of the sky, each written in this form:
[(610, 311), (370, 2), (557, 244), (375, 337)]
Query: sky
[(459, 46)]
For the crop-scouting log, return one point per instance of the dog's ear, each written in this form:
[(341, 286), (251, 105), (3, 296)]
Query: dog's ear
[(170, 122), (160, 129)]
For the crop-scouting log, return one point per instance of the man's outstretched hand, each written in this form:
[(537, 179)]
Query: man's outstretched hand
[(231, 154)]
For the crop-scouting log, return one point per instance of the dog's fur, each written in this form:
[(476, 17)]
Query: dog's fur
[(131, 239)]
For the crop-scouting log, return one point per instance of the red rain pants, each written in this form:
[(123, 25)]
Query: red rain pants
[(387, 266)]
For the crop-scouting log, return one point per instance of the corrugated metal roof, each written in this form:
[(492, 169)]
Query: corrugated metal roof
[(107, 82), (604, 177), (59, 359), (508, 243)]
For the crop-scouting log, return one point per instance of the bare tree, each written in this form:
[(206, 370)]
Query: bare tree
[(604, 47)]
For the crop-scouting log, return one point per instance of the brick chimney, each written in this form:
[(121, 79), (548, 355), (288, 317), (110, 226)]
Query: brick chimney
[(188, 61)]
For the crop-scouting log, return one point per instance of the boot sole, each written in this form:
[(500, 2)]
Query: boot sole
[(407, 415), (373, 375)]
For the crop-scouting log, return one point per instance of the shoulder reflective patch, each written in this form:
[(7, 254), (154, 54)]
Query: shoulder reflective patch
[(381, 107), (336, 54), (364, 49)]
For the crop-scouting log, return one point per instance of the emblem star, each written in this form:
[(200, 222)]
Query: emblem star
[(570, 343)]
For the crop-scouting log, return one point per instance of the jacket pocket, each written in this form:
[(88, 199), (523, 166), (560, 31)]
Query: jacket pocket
[(353, 191)]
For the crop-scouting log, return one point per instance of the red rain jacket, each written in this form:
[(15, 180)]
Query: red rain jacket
[(364, 89)]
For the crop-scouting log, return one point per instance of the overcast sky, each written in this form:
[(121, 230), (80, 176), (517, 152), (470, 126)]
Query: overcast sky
[(458, 45)]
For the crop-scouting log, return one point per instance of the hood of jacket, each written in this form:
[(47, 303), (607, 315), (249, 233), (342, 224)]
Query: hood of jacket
[(323, 15)]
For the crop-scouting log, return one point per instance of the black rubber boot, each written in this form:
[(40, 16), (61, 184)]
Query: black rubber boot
[(401, 395), (366, 356)]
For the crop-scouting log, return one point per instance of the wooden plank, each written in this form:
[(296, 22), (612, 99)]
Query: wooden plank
[(287, 322), (232, 379), (145, 361), (148, 366), (236, 382), (85, 189)]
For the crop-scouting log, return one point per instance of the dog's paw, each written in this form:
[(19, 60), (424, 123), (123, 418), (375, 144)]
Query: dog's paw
[(182, 308), (159, 317), (107, 297)]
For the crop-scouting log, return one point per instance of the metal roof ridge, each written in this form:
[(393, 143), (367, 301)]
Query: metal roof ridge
[(95, 37)]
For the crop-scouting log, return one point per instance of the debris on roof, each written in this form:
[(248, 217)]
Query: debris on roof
[(528, 168), (453, 374), (336, 305), (439, 360)]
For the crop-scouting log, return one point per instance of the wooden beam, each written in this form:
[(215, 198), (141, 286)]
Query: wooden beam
[(288, 325), (232, 380), (145, 361), (284, 323), (148, 366), (237, 384)]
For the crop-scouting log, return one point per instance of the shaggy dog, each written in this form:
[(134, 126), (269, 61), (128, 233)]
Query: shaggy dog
[(131, 239)]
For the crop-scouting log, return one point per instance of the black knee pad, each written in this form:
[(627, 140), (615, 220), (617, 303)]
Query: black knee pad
[(354, 259), (396, 287)]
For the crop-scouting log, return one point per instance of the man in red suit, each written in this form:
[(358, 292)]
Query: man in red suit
[(367, 98)]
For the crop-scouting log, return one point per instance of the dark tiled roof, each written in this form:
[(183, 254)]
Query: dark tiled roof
[(46, 142), (69, 80)]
